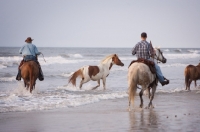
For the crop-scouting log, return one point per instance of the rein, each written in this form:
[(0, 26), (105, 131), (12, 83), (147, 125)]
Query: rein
[(43, 57)]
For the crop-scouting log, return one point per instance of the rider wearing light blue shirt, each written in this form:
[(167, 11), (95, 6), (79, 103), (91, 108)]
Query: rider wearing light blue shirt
[(29, 52), (29, 49)]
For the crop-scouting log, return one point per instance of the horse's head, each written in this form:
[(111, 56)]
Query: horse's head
[(159, 55), (116, 60)]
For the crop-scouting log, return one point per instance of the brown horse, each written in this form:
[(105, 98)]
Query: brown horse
[(29, 73), (191, 73)]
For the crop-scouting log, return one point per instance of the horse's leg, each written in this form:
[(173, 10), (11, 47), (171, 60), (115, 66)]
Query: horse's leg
[(186, 82), (152, 96), (149, 92), (81, 83), (104, 83), (195, 83), (31, 85), (97, 85), (24, 83), (84, 80), (129, 103), (189, 82), (141, 99)]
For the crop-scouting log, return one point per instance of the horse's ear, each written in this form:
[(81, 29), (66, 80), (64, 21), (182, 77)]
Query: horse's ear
[(115, 55), (150, 42)]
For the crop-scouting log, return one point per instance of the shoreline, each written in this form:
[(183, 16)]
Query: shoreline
[(172, 112)]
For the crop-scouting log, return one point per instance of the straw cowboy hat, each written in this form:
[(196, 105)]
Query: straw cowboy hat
[(29, 40)]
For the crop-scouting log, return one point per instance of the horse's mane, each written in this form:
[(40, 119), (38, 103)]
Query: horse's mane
[(107, 58), (156, 47)]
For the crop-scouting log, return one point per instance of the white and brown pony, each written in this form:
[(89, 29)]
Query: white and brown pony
[(96, 73), (140, 74)]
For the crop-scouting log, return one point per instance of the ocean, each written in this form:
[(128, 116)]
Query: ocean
[(54, 93)]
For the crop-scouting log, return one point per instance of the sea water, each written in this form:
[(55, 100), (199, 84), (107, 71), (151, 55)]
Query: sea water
[(54, 92)]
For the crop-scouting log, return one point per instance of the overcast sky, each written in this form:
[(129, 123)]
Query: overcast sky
[(100, 23)]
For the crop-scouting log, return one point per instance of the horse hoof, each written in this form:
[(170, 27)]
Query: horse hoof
[(129, 109)]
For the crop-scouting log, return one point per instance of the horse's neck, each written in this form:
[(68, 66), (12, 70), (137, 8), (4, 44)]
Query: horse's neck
[(153, 57), (107, 65)]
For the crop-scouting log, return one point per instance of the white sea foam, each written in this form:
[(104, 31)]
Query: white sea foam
[(2, 66), (178, 50), (76, 55), (167, 50), (7, 79), (181, 56), (174, 65), (194, 51), (10, 61), (24, 101)]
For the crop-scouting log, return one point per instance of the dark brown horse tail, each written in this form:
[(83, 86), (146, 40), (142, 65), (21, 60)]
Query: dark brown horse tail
[(187, 74), (31, 80), (74, 76)]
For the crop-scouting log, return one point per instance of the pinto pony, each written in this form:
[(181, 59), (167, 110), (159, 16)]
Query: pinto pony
[(140, 74), (191, 73), (29, 73), (95, 73)]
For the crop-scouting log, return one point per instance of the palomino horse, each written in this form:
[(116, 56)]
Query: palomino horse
[(140, 74), (29, 73), (96, 73), (191, 73)]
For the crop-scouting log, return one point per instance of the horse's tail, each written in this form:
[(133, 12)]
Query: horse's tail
[(31, 80), (187, 76), (32, 75), (74, 76), (132, 91)]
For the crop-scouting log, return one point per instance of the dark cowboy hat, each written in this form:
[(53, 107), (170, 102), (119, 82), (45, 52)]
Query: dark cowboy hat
[(28, 40)]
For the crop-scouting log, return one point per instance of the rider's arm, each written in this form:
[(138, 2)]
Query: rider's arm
[(36, 51), (21, 49), (134, 49)]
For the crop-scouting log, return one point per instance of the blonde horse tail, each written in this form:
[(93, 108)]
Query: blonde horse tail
[(132, 92), (74, 76)]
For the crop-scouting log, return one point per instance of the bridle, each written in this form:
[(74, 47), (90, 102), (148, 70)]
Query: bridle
[(157, 56)]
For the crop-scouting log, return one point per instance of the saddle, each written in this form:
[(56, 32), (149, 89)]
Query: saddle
[(147, 62)]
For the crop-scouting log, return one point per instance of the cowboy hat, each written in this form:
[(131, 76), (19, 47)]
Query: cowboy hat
[(28, 40)]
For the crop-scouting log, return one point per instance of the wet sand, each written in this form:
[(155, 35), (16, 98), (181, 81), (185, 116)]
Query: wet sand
[(172, 112)]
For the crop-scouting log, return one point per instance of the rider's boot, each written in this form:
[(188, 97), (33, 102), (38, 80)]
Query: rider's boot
[(18, 75), (19, 71), (165, 82)]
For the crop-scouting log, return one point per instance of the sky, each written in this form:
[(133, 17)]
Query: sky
[(100, 23)]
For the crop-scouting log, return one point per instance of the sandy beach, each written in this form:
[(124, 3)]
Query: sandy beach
[(173, 112)]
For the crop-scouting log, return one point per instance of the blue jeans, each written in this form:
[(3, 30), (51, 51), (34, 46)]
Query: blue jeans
[(30, 57), (158, 73)]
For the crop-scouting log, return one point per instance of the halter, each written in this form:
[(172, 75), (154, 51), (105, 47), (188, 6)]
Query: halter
[(157, 56)]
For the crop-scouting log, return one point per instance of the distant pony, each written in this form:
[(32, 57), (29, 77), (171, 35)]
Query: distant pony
[(191, 73), (95, 73), (29, 73)]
